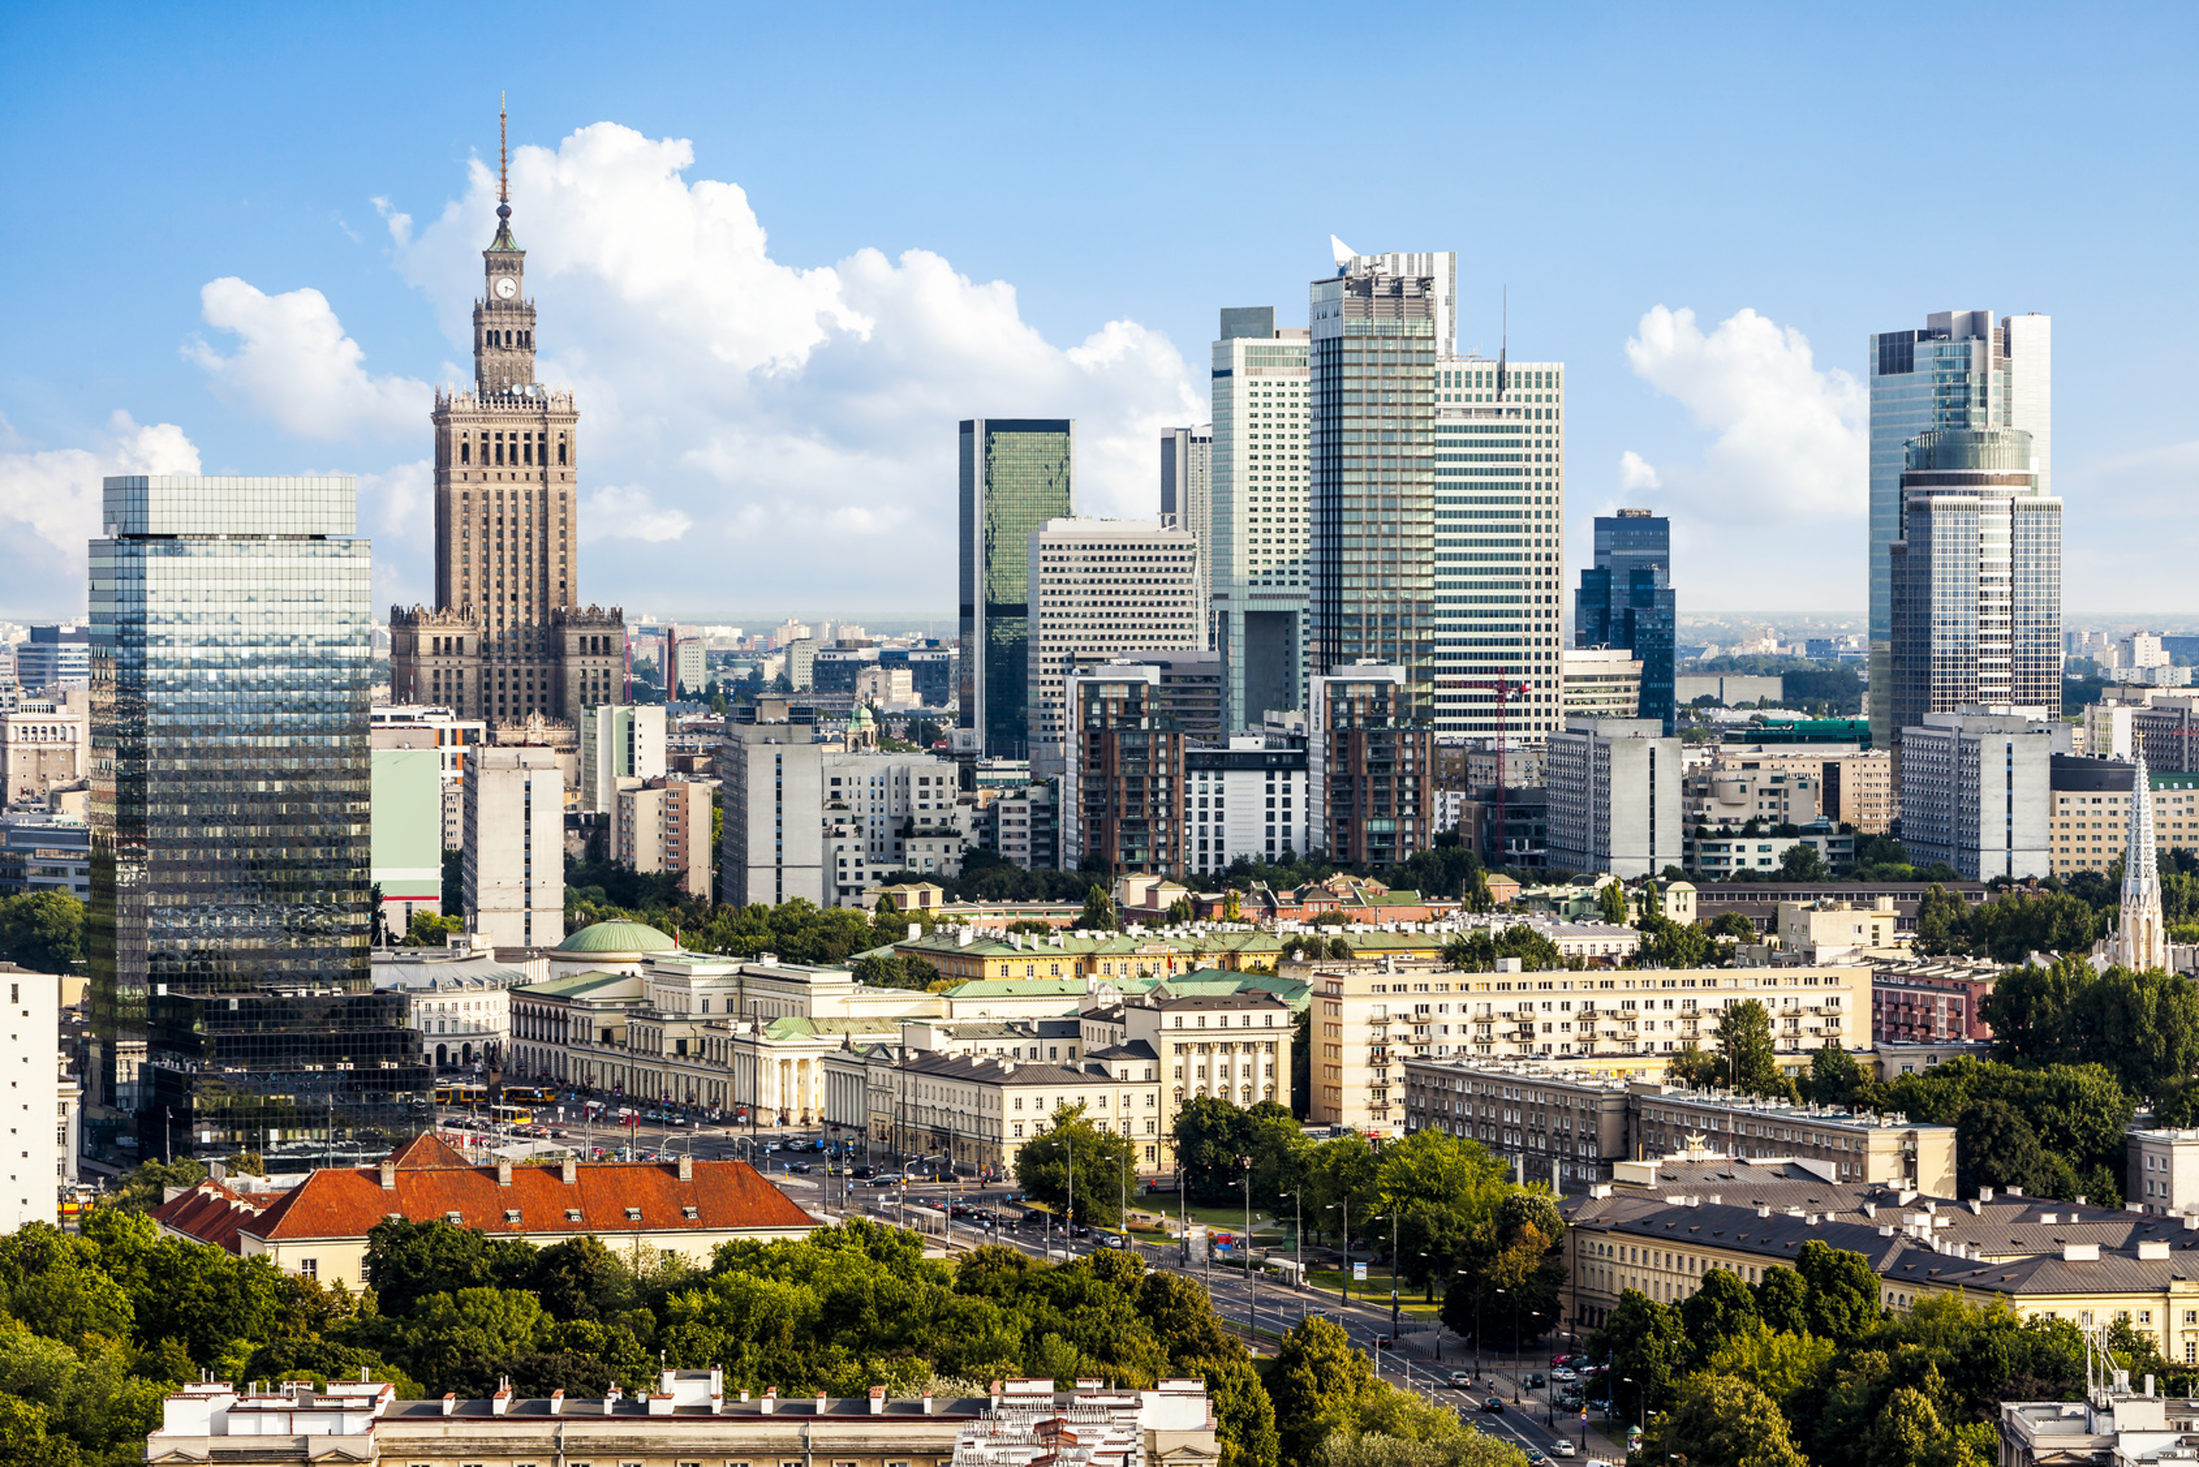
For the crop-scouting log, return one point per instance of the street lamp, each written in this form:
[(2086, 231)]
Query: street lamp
[(1393, 1269), (1298, 1230), (1346, 1205), (1252, 1279)]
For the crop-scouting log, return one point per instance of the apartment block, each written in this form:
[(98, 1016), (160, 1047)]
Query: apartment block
[(1370, 766), (1616, 797), (2092, 811), (1931, 1001), (619, 741), (663, 824), (1248, 799), (514, 851), (1976, 796)]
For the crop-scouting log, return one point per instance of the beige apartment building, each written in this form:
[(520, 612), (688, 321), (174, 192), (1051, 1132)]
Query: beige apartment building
[(2090, 823), (1369, 1019), (664, 824), (1856, 785)]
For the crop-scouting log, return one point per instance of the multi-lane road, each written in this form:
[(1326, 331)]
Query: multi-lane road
[(1262, 1309)]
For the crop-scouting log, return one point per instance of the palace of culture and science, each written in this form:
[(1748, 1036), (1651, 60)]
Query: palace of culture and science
[(507, 640)]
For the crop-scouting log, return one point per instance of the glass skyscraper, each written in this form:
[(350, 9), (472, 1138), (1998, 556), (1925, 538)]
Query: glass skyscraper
[(1960, 371), (1258, 522), (229, 925), (1375, 340), (1626, 600), (1015, 476)]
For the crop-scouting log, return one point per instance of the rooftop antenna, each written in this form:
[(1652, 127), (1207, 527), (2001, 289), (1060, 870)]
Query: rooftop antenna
[(1504, 341), (503, 162)]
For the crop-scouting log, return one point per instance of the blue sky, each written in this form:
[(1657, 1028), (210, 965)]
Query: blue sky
[(779, 251)]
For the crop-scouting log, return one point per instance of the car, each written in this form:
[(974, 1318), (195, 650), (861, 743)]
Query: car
[(798, 1166), (1562, 1447), (1112, 1240), (1461, 1380), (1385, 1342), (1599, 1462), (1535, 1382), (1561, 1360), (863, 1173), (1535, 1457), (1494, 1406), (886, 1181), (1081, 1230), (1565, 1372)]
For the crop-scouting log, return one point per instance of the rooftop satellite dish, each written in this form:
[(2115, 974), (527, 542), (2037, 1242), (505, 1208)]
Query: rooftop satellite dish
[(1343, 252)]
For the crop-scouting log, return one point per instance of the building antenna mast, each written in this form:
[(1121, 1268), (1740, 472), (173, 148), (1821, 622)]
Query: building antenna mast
[(1504, 340), (503, 156)]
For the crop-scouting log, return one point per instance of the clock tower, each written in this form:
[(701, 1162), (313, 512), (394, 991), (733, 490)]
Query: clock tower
[(508, 639)]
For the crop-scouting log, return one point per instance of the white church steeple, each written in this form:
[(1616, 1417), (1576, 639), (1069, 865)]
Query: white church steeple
[(2140, 940)]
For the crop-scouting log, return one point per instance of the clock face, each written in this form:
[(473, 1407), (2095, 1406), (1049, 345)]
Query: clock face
[(506, 288)]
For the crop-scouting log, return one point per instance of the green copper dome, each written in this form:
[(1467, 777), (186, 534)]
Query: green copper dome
[(618, 937)]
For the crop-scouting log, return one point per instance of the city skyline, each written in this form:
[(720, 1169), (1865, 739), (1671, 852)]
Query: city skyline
[(771, 362)]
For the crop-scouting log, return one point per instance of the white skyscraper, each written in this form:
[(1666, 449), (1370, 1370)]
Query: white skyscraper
[(1500, 545), (1099, 588), (1259, 513)]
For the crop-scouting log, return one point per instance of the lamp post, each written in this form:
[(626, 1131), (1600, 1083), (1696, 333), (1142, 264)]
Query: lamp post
[(1252, 1279), (1346, 1205), (1477, 1313), (1393, 1270), (1298, 1230)]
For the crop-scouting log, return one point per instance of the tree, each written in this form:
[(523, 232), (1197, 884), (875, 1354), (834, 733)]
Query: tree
[(1942, 923), (1745, 1044), (42, 931), (409, 1261), (1099, 911), (1779, 1363), (1719, 1421), (1645, 1344), (1316, 1383), (1843, 1291), (1996, 1147), (1783, 1300), (1836, 1079), (1803, 862), (1074, 1152), (1718, 1311), (1733, 925), (1611, 898)]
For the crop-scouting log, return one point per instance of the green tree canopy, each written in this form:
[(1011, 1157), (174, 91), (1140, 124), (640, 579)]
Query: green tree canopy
[(1074, 1153)]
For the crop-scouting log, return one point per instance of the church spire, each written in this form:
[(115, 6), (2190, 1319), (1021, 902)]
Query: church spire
[(2140, 940), (503, 240)]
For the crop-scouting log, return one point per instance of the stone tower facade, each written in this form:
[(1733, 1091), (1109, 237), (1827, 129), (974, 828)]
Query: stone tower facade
[(508, 637), (2141, 938)]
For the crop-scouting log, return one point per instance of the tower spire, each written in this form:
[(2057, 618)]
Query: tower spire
[(2140, 941), (504, 240)]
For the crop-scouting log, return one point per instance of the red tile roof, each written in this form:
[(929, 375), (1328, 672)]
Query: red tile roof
[(208, 1212), (428, 1149), (608, 1197)]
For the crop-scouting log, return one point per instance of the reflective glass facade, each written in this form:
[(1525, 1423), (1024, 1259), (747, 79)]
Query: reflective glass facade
[(1015, 476), (1626, 600), (231, 658)]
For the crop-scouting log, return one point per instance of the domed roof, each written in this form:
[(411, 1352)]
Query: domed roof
[(862, 717), (617, 937)]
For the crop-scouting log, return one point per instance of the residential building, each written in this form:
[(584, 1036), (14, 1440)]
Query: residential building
[(694, 1415), (514, 851), (54, 657), (1246, 800), (1717, 856), (43, 851), (1615, 797), (1602, 682), (1626, 601), (457, 1000), (37, 1107), (507, 635), (1930, 1000), (318, 1229), (618, 742), (1961, 371), (1258, 538), (231, 903), (1572, 1126), (45, 743), (1099, 589), (1122, 796), (1499, 545), (2164, 1170), (1022, 827), (1728, 796), (405, 812), (1759, 901), (1015, 476), (771, 774), (1378, 325), (1187, 500), (1977, 582), (1233, 1046), (1976, 794), (2166, 729), (1370, 766), (1838, 932), (1855, 785), (2092, 810), (664, 824), (2113, 1423), (453, 738)]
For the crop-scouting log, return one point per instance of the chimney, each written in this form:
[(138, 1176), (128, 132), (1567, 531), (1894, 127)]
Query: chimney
[(771, 1400), (503, 1171), (501, 1403), (569, 1171), (389, 1175), (611, 1399), (557, 1402), (927, 1403), (450, 1402), (877, 1400), (821, 1403), (687, 1166)]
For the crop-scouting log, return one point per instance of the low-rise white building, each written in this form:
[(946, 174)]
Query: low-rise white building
[(37, 1104), (457, 999)]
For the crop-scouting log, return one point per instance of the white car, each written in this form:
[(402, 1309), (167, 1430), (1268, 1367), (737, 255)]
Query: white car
[(1562, 1447)]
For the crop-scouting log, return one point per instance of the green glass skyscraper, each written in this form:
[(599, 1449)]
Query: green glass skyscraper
[(1015, 477)]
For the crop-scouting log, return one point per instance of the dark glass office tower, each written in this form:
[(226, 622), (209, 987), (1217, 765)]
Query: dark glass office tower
[(1015, 477), (1375, 336), (231, 658), (1626, 600)]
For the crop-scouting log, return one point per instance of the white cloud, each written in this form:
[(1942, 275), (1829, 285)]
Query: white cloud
[(1788, 449), (400, 224), (627, 512), (397, 511), (1636, 472), (800, 416), (49, 507), (2128, 534), (293, 364)]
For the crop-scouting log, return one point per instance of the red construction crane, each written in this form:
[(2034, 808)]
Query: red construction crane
[(1506, 692)]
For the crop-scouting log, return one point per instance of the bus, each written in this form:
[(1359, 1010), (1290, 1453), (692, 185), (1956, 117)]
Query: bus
[(458, 1094), (531, 1094), (511, 1115)]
